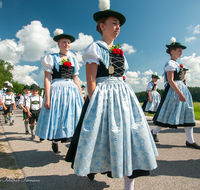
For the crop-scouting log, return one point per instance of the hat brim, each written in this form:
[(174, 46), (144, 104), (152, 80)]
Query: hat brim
[(176, 46), (8, 90), (58, 37), (185, 69), (110, 12)]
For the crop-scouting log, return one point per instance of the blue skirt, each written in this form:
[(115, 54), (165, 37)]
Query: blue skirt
[(115, 135), (153, 106), (172, 112), (65, 108)]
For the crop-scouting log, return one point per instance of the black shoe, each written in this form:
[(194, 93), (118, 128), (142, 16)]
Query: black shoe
[(11, 123), (6, 121), (32, 136), (90, 176), (55, 147), (27, 132), (192, 145), (155, 138)]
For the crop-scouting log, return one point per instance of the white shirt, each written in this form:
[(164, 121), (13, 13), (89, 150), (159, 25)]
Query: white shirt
[(8, 99), (23, 99), (30, 102)]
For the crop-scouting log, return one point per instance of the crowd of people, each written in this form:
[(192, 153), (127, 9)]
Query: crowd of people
[(107, 128)]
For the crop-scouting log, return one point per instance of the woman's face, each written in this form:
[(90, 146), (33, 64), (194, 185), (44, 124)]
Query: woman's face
[(154, 79), (111, 27), (64, 44), (176, 53)]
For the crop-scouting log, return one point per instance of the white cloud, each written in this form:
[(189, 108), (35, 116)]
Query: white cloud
[(197, 29), (23, 74), (128, 48), (190, 39), (82, 42), (1, 4), (193, 64), (10, 51), (194, 29), (149, 72), (36, 41)]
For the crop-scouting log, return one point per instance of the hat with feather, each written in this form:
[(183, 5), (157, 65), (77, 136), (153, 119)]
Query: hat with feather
[(105, 11), (175, 44), (59, 34)]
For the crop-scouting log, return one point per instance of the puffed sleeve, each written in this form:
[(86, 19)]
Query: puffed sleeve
[(76, 66), (149, 86), (47, 63), (91, 54), (170, 66)]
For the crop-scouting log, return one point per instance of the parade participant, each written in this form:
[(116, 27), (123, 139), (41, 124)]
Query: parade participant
[(184, 73), (22, 104), (152, 99), (33, 106), (8, 103), (83, 92), (63, 97), (2, 93), (115, 138), (176, 106)]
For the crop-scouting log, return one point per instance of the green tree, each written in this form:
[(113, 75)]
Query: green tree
[(5, 72)]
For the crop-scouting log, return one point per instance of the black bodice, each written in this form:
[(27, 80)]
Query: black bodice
[(177, 75), (63, 73), (117, 62)]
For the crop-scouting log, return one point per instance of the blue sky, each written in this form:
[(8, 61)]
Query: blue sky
[(27, 26)]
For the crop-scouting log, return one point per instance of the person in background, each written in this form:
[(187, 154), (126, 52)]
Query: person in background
[(63, 97), (8, 103), (22, 104), (152, 99), (33, 106), (176, 106), (184, 73), (83, 92)]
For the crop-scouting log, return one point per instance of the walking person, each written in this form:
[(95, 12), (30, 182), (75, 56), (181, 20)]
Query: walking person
[(152, 99), (63, 99), (22, 104), (176, 107), (115, 138)]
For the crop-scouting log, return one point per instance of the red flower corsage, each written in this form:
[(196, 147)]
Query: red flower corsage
[(155, 84), (184, 80), (66, 63), (181, 65), (116, 50)]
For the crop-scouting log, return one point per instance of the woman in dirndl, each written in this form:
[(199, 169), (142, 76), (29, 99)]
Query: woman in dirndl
[(176, 106), (113, 135), (152, 100), (63, 97)]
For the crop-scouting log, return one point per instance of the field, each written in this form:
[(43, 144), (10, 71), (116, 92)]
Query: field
[(196, 110)]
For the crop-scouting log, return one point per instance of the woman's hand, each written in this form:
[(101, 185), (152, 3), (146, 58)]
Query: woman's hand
[(47, 104), (150, 100), (181, 97)]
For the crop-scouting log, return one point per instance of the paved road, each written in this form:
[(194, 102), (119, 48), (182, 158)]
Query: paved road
[(178, 166)]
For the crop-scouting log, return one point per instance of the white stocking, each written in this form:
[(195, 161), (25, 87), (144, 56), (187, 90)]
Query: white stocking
[(157, 130), (189, 134), (128, 183)]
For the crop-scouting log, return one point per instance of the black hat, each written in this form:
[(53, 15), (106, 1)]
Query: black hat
[(82, 86), (175, 44), (26, 87), (58, 37), (109, 12), (34, 87), (8, 90), (155, 76), (185, 69)]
